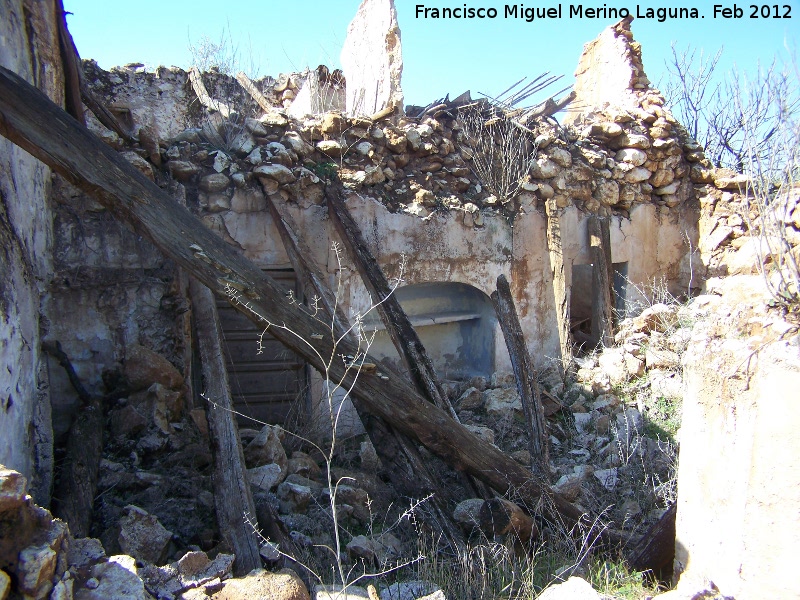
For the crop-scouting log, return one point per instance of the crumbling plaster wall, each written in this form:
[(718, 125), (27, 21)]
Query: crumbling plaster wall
[(30, 48), (609, 71), (413, 193), (738, 518), (110, 288)]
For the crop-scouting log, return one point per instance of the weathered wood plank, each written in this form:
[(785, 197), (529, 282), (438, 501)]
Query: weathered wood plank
[(251, 89), (30, 120), (525, 374), (655, 551), (501, 517), (561, 291), (232, 497), (602, 281), (196, 79)]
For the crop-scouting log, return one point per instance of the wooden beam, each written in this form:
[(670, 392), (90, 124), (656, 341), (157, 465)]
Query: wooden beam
[(602, 281), (196, 79), (300, 256), (501, 517), (232, 497), (251, 89), (525, 374), (401, 458), (655, 550), (399, 328), (561, 291), (33, 122)]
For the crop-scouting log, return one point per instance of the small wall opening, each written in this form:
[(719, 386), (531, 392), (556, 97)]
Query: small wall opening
[(456, 324), (580, 309), (582, 299), (620, 290)]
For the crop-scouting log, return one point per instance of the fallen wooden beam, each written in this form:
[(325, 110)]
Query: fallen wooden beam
[(76, 88), (33, 122), (303, 264), (499, 517), (394, 318), (525, 374), (232, 497), (655, 550), (196, 79), (251, 89)]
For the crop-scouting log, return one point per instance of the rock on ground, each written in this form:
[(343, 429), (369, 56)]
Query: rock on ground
[(573, 588), (143, 536), (263, 585)]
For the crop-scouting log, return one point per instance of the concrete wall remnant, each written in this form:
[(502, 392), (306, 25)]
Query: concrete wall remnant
[(738, 517), (609, 73), (372, 59), (321, 92)]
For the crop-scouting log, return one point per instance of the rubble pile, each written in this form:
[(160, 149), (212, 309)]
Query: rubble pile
[(613, 425), (608, 162)]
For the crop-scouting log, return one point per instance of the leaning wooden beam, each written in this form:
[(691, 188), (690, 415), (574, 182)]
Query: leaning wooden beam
[(655, 551), (602, 278), (525, 373), (196, 79), (71, 63), (251, 89), (76, 88), (76, 487), (561, 290), (232, 497), (303, 264), (401, 459), (29, 119), (399, 328), (501, 517)]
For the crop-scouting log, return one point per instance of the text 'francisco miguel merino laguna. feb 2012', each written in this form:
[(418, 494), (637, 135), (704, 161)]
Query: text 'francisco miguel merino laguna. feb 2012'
[(582, 11)]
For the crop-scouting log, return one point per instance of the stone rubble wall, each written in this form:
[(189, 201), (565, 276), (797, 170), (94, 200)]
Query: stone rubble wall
[(412, 189)]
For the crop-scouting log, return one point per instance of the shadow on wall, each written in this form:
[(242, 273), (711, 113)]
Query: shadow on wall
[(455, 322)]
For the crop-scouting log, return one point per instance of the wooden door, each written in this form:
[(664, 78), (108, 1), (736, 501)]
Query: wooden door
[(268, 386)]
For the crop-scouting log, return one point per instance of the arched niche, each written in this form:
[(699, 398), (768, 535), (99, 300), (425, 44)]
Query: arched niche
[(456, 323)]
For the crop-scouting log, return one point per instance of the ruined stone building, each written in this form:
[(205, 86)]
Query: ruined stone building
[(72, 272)]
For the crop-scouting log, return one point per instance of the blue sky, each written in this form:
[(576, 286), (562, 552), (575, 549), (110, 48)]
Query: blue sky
[(440, 56)]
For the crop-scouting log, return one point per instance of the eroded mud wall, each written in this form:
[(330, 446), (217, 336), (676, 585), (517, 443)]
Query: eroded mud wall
[(30, 48)]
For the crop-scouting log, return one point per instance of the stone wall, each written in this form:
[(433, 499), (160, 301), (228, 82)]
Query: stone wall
[(30, 48), (413, 190)]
